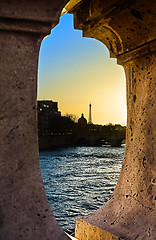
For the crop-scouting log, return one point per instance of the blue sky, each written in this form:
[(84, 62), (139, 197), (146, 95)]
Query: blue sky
[(75, 71)]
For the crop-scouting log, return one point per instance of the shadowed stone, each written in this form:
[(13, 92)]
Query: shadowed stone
[(24, 210), (128, 30)]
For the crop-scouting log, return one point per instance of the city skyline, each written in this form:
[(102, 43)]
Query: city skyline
[(76, 71)]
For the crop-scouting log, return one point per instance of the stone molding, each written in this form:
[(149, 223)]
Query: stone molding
[(37, 18), (39, 11), (121, 25), (18, 25), (146, 48), (127, 27)]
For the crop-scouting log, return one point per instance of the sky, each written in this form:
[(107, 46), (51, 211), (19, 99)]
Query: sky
[(76, 71)]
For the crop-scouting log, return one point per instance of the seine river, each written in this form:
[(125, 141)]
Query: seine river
[(79, 180)]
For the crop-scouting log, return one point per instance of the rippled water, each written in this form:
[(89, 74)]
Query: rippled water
[(79, 180)]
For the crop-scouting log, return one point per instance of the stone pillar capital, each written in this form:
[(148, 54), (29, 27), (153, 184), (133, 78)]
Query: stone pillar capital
[(34, 17), (123, 26), (27, 26)]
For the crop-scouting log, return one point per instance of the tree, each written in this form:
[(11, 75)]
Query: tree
[(72, 116)]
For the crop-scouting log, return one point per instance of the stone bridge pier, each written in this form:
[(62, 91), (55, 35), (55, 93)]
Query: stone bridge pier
[(24, 210), (127, 28)]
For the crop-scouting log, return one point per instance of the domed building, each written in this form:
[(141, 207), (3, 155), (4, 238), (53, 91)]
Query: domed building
[(82, 120)]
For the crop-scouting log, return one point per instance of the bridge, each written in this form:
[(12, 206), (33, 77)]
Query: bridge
[(24, 209), (96, 135), (87, 135)]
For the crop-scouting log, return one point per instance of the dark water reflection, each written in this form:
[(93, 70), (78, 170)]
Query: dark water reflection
[(79, 180)]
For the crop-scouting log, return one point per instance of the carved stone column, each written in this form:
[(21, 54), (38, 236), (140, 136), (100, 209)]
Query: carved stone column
[(128, 30), (24, 210)]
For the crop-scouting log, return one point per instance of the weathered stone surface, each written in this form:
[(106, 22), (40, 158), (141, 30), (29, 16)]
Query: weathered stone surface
[(87, 231), (24, 210), (127, 27), (128, 30), (120, 25), (42, 11)]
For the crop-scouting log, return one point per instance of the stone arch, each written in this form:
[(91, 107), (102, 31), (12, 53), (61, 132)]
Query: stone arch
[(111, 38), (24, 209), (130, 214), (132, 42)]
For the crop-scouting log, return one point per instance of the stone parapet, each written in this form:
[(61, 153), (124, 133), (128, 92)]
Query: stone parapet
[(24, 209), (128, 29)]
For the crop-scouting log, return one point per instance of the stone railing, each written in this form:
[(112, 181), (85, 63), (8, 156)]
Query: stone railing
[(128, 30)]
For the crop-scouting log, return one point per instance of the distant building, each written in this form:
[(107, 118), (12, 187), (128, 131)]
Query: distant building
[(82, 120), (47, 110)]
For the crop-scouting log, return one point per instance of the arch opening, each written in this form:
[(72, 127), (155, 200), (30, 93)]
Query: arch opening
[(68, 79), (130, 213)]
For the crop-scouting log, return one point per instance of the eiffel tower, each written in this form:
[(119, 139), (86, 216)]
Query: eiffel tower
[(90, 114)]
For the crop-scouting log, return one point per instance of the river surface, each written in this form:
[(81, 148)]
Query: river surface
[(79, 180)]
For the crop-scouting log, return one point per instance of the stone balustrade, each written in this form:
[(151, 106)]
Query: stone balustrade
[(128, 28)]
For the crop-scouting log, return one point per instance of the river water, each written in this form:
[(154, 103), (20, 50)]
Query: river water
[(79, 180)]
